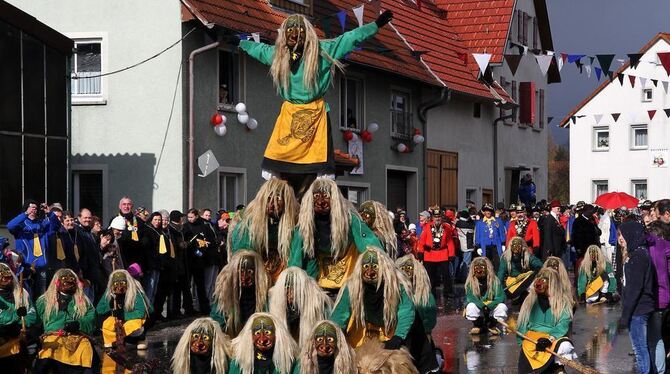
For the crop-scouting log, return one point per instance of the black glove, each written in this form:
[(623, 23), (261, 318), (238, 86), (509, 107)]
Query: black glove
[(21, 311), (542, 344), (118, 313), (420, 256), (384, 18), (71, 327), (394, 343), (486, 311)]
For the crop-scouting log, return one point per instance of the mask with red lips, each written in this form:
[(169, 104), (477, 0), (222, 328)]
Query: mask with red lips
[(247, 272), (201, 342), (325, 340), (263, 330)]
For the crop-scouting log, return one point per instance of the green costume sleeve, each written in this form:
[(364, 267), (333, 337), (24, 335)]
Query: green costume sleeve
[(471, 298), (361, 235), (233, 367), (241, 239), (611, 288), (297, 258), (502, 271), (499, 296), (347, 42), (103, 305), (428, 314), (535, 263), (217, 316), (8, 315), (406, 315), (87, 321), (562, 327), (342, 310), (581, 283), (259, 51)]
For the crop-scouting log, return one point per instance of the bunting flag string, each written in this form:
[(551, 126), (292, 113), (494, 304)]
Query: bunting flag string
[(544, 61), (513, 62), (482, 60), (631, 116)]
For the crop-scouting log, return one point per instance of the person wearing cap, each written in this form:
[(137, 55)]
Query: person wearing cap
[(511, 211), (424, 217), (436, 247), (553, 233), (490, 236), (524, 228)]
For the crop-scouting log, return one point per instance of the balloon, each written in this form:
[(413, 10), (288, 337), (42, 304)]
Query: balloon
[(220, 130), (252, 124), (243, 118), (418, 139), (402, 147), (217, 119), (366, 136), (373, 127), (348, 135), (240, 108)]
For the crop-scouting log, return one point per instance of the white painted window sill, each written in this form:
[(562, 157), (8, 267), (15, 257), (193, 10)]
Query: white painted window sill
[(601, 150), (89, 101), (639, 148)]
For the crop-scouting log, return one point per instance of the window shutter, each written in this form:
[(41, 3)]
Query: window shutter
[(536, 34), (519, 26), (541, 110), (527, 102)]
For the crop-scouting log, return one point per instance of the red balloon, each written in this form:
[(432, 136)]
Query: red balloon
[(366, 136), (216, 119), (348, 135)]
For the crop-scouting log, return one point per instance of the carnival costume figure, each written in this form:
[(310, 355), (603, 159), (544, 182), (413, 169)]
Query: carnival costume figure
[(517, 269), (241, 290), (484, 297), (377, 217), (596, 282), (557, 264), (202, 349), (16, 315), (490, 234), (326, 351), (424, 301), (266, 226), (298, 300), (545, 316), (329, 236), (264, 346)]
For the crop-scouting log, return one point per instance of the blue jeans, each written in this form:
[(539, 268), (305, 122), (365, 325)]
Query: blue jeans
[(655, 341), (150, 284), (637, 331)]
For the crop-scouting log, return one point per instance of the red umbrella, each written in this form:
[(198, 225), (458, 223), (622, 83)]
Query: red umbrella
[(616, 200)]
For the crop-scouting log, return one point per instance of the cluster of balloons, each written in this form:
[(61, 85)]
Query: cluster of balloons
[(219, 120), (365, 135)]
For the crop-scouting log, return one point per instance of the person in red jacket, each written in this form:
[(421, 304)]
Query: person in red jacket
[(436, 247), (524, 228)]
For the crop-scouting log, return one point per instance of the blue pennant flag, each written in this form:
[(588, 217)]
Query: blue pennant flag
[(573, 58), (342, 16), (598, 72)]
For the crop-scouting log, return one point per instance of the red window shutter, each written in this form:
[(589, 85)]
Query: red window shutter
[(527, 102)]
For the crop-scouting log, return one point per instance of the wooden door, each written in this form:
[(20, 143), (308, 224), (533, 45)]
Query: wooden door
[(442, 178)]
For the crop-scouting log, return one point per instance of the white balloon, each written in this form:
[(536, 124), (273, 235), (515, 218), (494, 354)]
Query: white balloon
[(220, 130), (223, 120), (243, 118), (373, 127), (354, 137), (402, 147), (252, 124), (241, 108), (418, 139)]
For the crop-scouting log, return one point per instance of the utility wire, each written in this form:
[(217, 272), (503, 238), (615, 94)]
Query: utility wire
[(174, 97)]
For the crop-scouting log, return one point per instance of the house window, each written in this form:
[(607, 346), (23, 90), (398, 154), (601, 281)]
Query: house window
[(639, 188), (231, 190), (536, 34), (519, 29), (356, 195), (88, 191), (601, 138), (471, 195), (599, 187), (639, 138), (477, 110), (540, 110), (401, 120), (227, 82), (351, 104), (300, 6), (87, 67), (647, 95)]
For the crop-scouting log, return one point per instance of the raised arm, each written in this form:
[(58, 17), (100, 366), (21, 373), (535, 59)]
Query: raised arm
[(347, 42), (259, 51)]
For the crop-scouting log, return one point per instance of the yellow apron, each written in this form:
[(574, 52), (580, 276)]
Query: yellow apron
[(594, 287), (109, 366), (513, 283), (129, 326), (332, 274), (10, 347), (74, 350), (300, 135), (537, 359), (357, 335)]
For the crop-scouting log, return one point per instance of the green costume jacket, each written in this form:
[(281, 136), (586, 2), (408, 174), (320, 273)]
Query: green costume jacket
[(584, 279), (336, 48), (221, 317), (140, 310), (544, 322), (495, 296), (359, 234), (534, 264), (58, 318), (234, 368), (428, 314), (8, 315), (342, 313)]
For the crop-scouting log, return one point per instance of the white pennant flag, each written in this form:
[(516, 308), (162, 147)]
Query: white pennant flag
[(550, 53), (665, 86), (559, 61), (358, 12), (256, 36), (525, 49), (642, 81), (544, 61), (597, 117), (482, 60), (588, 70)]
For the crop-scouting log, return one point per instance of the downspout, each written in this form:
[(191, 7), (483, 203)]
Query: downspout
[(191, 144), (423, 109), (495, 154)]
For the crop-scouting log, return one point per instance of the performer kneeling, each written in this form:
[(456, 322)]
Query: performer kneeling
[(68, 318), (297, 300), (484, 297), (16, 314), (201, 349), (326, 351), (264, 346), (124, 303), (545, 317), (517, 268), (241, 290), (596, 280), (557, 264)]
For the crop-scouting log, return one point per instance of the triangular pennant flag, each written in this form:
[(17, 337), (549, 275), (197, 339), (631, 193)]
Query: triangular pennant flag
[(549, 119), (631, 78), (598, 72), (525, 49), (482, 60), (610, 75), (665, 60), (588, 70), (342, 17), (620, 77), (605, 61), (573, 119), (513, 62), (256, 36), (643, 81), (665, 86), (559, 61), (667, 112), (464, 57), (358, 12), (634, 59), (655, 82), (579, 66), (544, 61), (615, 116), (597, 118), (573, 58), (651, 114)]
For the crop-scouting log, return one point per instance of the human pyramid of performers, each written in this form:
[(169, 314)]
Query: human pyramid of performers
[(315, 286)]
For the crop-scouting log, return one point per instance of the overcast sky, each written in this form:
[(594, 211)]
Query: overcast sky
[(597, 27)]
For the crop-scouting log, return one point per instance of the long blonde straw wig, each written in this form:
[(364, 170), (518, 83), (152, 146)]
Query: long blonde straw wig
[(20, 294), (525, 254), (420, 281), (383, 228), (562, 273), (587, 263), (50, 297), (345, 358), (559, 301), (285, 349), (181, 359), (134, 288), (308, 298), (472, 282)]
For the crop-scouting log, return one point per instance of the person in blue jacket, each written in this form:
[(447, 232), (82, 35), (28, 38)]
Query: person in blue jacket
[(490, 236), (31, 230)]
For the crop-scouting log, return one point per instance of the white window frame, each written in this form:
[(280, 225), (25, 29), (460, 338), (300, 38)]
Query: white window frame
[(241, 184), (633, 187), (92, 37), (595, 132), (594, 187), (360, 83), (237, 87), (647, 98), (633, 128), (408, 113)]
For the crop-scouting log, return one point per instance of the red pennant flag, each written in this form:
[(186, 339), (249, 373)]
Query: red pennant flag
[(615, 116), (463, 57), (564, 57), (665, 60), (651, 114), (632, 80)]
